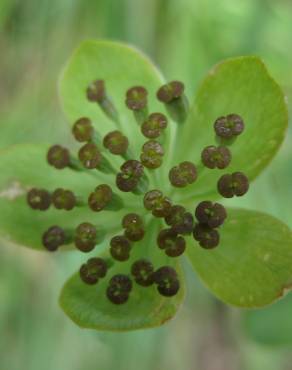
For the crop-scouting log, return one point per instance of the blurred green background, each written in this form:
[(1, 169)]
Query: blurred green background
[(184, 38)]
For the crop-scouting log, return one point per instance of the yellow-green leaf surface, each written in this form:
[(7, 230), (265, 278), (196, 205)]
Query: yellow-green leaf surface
[(23, 167), (252, 266), (242, 86), (89, 307)]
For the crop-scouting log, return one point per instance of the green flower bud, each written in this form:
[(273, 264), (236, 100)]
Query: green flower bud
[(182, 175), (156, 202), (142, 270), (120, 248), (39, 199), (207, 237), (116, 143), (154, 125), (167, 281), (173, 244), (119, 288), (58, 157), (134, 228), (152, 153), (210, 214), (216, 157), (233, 184), (181, 221), (229, 126), (93, 270), (83, 130), (85, 237)]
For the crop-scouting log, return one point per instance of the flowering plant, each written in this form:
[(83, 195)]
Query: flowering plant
[(137, 189)]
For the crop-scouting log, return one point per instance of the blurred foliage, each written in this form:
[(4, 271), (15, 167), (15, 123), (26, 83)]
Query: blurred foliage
[(185, 38), (271, 325)]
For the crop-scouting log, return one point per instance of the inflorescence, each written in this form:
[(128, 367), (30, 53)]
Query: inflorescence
[(203, 224)]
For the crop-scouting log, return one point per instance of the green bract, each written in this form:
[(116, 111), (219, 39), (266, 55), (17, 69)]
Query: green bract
[(251, 266)]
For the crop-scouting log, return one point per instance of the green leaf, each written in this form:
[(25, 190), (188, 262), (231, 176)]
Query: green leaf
[(271, 325), (242, 86), (252, 266), (89, 307), (23, 167), (121, 67)]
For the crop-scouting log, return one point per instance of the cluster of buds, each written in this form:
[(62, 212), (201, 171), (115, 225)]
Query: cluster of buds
[(202, 224)]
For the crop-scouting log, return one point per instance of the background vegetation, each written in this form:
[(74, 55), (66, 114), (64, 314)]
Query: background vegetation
[(185, 38)]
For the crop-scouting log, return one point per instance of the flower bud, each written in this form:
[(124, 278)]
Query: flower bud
[(64, 199), (173, 244), (207, 237), (120, 248), (142, 270), (210, 214), (85, 237), (167, 281), (116, 143), (229, 126), (181, 221), (53, 238), (90, 156), (83, 130), (152, 153), (104, 198), (156, 202), (133, 225), (170, 91), (172, 95), (154, 125), (119, 288), (136, 98), (131, 172), (58, 157), (216, 157), (183, 174), (96, 93), (93, 270), (233, 184), (39, 199)]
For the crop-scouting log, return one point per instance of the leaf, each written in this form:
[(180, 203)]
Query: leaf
[(271, 325), (252, 266), (121, 67), (23, 167), (33, 119), (242, 86), (89, 307)]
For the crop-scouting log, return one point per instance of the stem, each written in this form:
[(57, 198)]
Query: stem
[(141, 115), (218, 349)]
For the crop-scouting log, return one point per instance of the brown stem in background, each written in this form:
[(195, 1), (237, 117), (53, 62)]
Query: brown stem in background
[(218, 349)]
